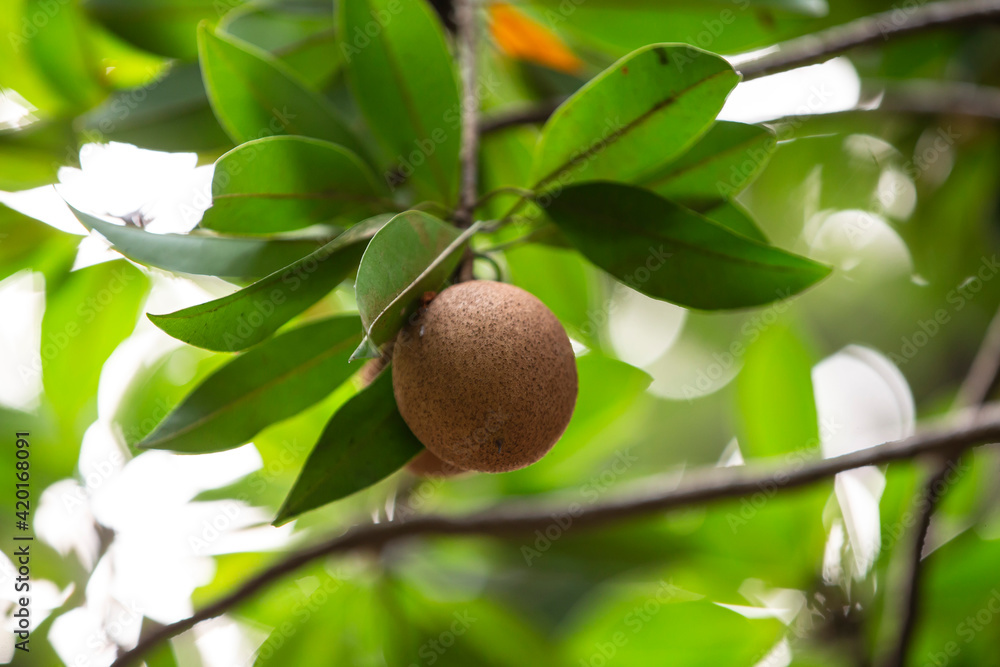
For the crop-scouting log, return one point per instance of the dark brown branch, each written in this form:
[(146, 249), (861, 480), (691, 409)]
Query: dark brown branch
[(513, 519), (892, 24), (926, 504), (974, 392)]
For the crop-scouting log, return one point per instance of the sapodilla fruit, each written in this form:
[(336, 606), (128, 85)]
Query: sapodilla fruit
[(485, 377), (423, 464)]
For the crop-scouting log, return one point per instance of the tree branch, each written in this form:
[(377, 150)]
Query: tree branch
[(465, 20), (516, 518), (965, 100), (972, 395), (891, 24)]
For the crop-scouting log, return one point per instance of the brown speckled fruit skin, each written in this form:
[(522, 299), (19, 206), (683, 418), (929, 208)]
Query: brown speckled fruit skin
[(485, 377)]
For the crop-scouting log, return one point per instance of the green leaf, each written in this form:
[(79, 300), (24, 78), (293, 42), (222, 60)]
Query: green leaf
[(642, 111), (254, 95), (246, 317), (301, 34), (412, 254), (31, 156), (259, 387), (86, 316), (636, 622), (720, 164), (169, 114), (231, 257), (775, 395), (26, 243), (670, 252), (404, 82), (283, 183), (364, 442), (167, 27), (731, 215), (63, 51)]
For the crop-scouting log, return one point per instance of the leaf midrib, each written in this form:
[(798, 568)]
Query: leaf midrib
[(615, 136), (211, 416), (410, 106), (655, 181), (650, 234)]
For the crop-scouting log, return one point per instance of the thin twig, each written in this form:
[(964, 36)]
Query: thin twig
[(523, 116), (892, 24), (975, 390), (984, 371), (465, 20), (964, 100), (513, 519)]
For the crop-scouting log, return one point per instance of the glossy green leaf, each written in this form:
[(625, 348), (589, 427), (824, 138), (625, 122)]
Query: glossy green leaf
[(166, 27), (170, 113), (231, 257), (403, 78), (720, 164), (642, 111), (283, 183), (300, 34), (731, 215), (414, 253), (670, 252), (255, 95), (262, 386), (246, 317), (365, 441), (775, 395)]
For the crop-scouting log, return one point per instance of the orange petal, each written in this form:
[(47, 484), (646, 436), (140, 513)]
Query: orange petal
[(521, 37)]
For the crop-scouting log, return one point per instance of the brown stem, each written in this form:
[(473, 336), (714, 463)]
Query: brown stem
[(513, 519), (972, 396), (892, 24), (868, 30)]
